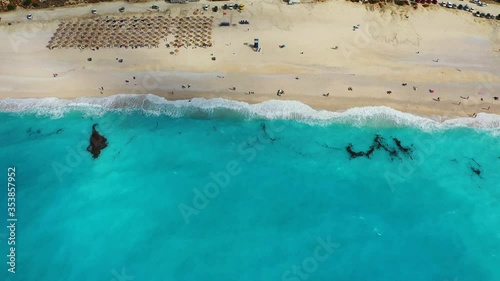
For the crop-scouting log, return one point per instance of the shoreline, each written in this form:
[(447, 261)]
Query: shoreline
[(393, 46), (270, 110)]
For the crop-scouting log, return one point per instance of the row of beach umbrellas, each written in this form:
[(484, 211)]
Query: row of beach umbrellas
[(112, 32)]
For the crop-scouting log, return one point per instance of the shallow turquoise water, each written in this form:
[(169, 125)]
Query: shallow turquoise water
[(223, 198)]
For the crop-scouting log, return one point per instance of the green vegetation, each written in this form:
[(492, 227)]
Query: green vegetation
[(27, 2), (11, 7)]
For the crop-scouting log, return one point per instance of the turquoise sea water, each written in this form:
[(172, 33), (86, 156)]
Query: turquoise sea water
[(212, 194)]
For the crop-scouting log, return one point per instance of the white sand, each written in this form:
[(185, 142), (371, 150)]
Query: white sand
[(377, 57)]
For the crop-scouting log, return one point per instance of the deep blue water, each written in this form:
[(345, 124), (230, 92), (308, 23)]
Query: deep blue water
[(205, 197)]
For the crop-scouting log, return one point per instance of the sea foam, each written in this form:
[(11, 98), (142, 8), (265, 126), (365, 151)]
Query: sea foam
[(220, 108)]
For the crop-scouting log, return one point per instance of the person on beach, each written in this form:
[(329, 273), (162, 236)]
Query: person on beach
[(414, 88)]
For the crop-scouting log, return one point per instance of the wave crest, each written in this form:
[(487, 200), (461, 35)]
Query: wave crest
[(219, 108)]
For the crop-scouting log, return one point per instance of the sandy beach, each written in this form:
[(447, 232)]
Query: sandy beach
[(436, 52)]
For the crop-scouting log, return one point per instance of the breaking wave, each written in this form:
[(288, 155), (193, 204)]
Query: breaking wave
[(222, 108)]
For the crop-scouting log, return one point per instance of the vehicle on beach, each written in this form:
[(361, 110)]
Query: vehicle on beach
[(205, 7), (154, 7), (121, 10), (94, 11), (29, 16)]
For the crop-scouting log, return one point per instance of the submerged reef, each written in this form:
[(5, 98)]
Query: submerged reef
[(379, 143), (97, 143)]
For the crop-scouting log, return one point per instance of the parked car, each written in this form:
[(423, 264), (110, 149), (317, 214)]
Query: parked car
[(121, 10), (154, 7), (94, 11), (29, 16)]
